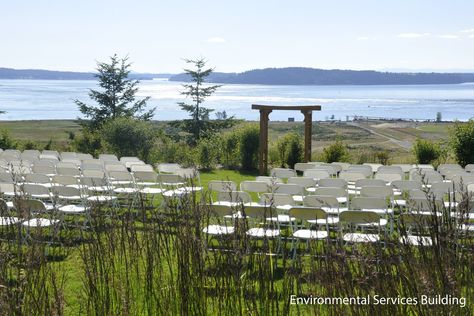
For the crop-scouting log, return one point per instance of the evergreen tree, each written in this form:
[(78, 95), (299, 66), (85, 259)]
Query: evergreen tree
[(199, 122), (117, 98)]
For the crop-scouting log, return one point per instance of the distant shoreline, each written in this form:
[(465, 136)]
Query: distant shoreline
[(293, 76)]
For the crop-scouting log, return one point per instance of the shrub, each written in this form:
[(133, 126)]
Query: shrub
[(230, 150), (207, 154), (126, 136), (335, 152), (29, 144), (462, 142), (169, 150), (383, 157), (89, 142), (49, 145), (6, 141), (426, 151), (290, 150), (249, 142)]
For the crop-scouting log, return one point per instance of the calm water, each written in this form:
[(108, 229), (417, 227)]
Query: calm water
[(53, 99)]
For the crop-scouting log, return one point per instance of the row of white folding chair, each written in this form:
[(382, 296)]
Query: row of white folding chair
[(86, 188), (38, 216), (448, 197), (168, 167), (283, 173), (185, 179), (352, 226), (337, 198), (332, 169), (268, 184), (348, 221), (283, 201), (351, 176), (390, 169), (190, 175), (144, 178), (302, 166), (333, 206), (427, 176), (445, 169)]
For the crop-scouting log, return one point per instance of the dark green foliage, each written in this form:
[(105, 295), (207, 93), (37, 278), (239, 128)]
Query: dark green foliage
[(439, 117), (49, 145), (170, 150), (426, 151), (199, 125), (383, 157), (127, 136), (462, 142), (290, 150), (117, 98), (29, 144), (207, 153), (249, 144), (89, 142), (6, 140), (71, 135), (230, 150), (335, 152)]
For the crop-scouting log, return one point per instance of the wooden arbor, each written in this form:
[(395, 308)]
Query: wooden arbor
[(265, 111)]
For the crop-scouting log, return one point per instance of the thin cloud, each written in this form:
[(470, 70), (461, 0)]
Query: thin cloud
[(468, 31), (471, 36), (449, 36), (412, 35), (216, 40)]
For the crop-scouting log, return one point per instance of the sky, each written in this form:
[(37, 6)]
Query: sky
[(235, 36)]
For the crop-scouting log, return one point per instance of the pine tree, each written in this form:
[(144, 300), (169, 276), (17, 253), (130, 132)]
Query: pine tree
[(199, 122), (117, 98)]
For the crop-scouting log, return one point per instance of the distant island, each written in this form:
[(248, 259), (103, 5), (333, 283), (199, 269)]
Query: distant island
[(269, 76), (41, 74), (312, 76)]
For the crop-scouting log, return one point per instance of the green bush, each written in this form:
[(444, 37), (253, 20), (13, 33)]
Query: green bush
[(290, 150), (462, 142), (383, 157), (169, 150), (6, 141), (29, 144), (89, 142), (335, 152), (230, 150), (207, 154), (126, 136), (426, 151), (249, 142)]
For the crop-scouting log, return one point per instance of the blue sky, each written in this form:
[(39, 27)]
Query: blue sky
[(239, 35)]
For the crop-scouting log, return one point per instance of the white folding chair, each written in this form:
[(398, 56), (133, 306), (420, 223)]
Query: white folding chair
[(353, 226), (301, 227)]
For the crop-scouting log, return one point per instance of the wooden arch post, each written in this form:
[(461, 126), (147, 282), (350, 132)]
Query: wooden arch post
[(265, 111)]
